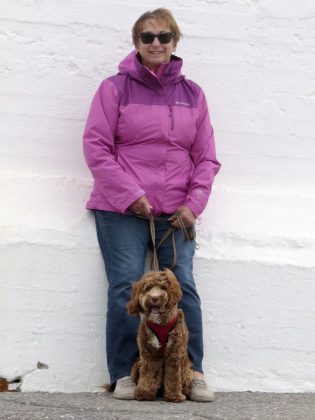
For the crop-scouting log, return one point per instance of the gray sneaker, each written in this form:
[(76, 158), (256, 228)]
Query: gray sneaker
[(200, 391), (125, 389)]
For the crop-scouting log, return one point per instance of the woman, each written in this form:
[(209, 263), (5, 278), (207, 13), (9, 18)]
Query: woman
[(149, 144)]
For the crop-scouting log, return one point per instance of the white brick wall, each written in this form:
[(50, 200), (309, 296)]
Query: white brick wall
[(255, 266)]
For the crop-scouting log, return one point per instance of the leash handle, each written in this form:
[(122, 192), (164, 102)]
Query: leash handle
[(188, 232)]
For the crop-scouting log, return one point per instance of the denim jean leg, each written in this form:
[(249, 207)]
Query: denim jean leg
[(190, 302), (124, 241)]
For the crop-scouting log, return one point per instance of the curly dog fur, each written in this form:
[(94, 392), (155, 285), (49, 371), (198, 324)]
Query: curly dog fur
[(155, 296)]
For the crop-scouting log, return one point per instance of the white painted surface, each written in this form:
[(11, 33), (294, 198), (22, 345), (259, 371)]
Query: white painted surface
[(255, 266)]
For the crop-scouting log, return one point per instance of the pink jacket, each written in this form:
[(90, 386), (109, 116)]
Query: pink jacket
[(150, 134)]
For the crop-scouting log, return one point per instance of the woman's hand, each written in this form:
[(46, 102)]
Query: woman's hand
[(141, 206), (187, 216)]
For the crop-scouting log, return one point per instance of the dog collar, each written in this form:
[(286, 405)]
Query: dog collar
[(162, 332)]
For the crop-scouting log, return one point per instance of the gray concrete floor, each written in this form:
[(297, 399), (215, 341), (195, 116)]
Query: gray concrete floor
[(234, 406)]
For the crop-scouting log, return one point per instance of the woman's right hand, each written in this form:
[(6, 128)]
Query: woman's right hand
[(141, 206)]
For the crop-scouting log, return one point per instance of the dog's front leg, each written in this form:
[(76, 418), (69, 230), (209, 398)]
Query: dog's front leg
[(150, 379), (173, 381)]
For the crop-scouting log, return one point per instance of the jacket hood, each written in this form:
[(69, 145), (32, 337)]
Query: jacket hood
[(168, 73)]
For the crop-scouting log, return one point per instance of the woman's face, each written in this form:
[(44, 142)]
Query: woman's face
[(154, 54)]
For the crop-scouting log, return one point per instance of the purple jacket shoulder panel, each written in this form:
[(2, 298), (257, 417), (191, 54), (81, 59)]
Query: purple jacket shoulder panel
[(137, 90), (150, 134)]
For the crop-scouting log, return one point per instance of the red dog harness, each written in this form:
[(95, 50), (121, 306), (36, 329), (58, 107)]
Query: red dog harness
[(162, 332)]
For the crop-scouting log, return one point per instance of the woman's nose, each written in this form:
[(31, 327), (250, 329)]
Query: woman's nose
[(156, 41)]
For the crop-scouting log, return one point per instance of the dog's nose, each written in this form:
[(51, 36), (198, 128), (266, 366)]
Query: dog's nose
[(154, 299)]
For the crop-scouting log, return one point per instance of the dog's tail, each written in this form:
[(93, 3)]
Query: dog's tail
[(134, 374), (107, 387)]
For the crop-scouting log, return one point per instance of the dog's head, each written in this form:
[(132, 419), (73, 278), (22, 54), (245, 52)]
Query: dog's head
[(155, 294)]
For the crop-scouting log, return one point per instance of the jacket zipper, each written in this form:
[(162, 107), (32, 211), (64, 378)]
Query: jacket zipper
[(172, 117)]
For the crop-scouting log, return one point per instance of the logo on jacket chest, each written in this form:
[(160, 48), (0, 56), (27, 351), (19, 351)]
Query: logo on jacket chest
[(181, 103)]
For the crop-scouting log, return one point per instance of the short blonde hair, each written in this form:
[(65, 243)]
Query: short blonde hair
[(161, 14)]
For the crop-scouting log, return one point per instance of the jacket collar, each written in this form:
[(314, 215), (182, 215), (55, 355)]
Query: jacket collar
[(168, 73)]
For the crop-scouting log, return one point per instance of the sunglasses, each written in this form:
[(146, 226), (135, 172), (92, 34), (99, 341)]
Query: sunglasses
[(163, 37)]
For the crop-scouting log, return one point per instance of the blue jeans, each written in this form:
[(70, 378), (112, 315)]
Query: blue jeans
[(124, 241)]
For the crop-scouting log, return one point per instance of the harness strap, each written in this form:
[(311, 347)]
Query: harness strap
[(162, 332)]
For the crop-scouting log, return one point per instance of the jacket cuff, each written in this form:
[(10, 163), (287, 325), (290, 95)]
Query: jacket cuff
[(131, 199), (193, 208)]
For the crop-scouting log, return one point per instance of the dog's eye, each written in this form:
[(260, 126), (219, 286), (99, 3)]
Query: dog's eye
[(164, 286), (147, 288)]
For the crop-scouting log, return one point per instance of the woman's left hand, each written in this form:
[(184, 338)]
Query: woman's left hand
[(187, 216)]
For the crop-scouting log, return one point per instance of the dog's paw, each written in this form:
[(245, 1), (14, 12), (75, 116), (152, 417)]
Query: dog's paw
[(145, 394), (178, 397)]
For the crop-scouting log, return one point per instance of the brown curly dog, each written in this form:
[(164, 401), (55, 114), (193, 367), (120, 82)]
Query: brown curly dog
[(162, 338)]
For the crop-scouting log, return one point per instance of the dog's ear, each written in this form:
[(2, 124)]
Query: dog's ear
[(133, 307), (175, 292)]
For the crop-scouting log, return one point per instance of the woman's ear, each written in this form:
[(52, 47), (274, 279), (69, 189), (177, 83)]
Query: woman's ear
[(133, 307), (136, 44)]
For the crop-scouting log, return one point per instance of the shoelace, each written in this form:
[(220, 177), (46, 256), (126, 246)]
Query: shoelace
[(199, 383), (126, 382)]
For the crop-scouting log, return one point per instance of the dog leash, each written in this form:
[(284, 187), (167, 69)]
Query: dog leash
[(189, 233)]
